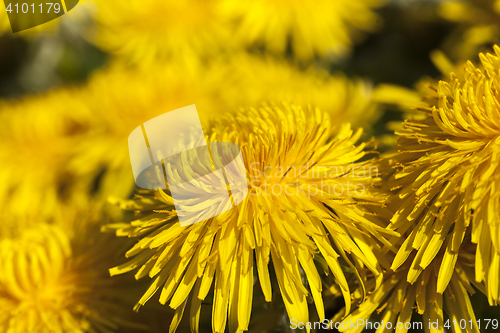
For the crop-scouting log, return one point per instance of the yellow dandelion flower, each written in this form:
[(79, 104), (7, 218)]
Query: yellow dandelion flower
[(37, 135), (332, 214), (144, 31), (55, 279), (392, 306), (478, 26), (448, 175), (316, 28)]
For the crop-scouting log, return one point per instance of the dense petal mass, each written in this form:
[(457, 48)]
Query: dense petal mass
[(54, 279), (309, 197), (447, 177)]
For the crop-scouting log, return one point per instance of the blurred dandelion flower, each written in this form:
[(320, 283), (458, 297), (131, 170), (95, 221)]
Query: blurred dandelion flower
[(118, 99), (55, 279), (38, 135), (317, 28), (396, 299), (261, 79), (478, 26), (142, 32), (326, 216), (448, 177)]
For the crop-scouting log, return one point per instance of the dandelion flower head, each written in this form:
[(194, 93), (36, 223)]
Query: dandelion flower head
[(38, 135), (447, 176), (319, 28), (284, 147)]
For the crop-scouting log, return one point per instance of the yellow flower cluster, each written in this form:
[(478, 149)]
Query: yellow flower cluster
[(143, 31), (75, 147), (76, 139), (327, 220)]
